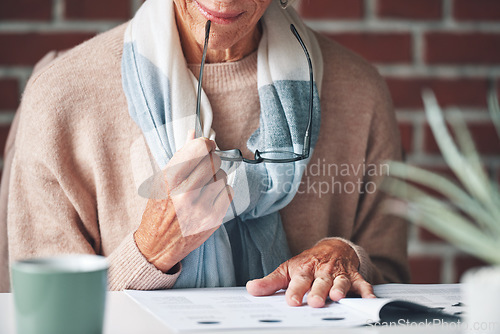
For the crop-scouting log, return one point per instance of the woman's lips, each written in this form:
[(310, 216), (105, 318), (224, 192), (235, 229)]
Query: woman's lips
[(218, 17)]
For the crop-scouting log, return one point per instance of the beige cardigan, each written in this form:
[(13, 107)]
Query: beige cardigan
[(78, 159)]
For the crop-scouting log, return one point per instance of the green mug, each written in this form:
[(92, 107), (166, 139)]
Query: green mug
[(60, 295)]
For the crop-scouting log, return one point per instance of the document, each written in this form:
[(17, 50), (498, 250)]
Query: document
[(210, 309), (440, 297)]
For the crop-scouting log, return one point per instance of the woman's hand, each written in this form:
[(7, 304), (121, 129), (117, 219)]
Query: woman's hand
[(197, 198), (330, 268)]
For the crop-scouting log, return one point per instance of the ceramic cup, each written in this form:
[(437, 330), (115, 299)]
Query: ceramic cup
[(63, 294)]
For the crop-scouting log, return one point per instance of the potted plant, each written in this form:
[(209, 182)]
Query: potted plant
[(466, 214)]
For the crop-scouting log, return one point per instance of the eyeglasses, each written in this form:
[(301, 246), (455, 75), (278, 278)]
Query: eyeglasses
[(273, 156)]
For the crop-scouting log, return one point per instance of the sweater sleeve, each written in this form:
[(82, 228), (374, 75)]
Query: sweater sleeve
[(130, 270), (380, 240), (52, 207)]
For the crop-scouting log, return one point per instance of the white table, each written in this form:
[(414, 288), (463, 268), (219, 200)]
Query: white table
[(124, 316)]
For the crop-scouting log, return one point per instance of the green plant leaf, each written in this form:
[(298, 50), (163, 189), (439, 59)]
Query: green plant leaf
[(478, 186), (478, 233), (494, 109), (454, 193), (441, 219)]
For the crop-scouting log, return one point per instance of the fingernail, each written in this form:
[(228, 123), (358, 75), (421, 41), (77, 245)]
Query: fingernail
[(340, 291), (371, 295), (296, 300), (318, 298)]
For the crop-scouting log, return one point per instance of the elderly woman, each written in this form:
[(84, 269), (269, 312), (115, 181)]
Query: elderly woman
[(115, 156)]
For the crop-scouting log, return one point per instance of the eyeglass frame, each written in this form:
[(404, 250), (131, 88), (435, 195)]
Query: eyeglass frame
[(257, 155)]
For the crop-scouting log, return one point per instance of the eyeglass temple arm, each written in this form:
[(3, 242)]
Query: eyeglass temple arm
[(198, 132), (307, 136)]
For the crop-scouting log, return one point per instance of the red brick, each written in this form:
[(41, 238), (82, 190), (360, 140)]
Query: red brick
[(425, 269), (428, 236), (406, 131), (466, 10), (464, 263), (9, 94), (378, 47), (97, 9), (484, 135), (38, 10), (4, 132), (28, 48), (461, 92), (462, 48), (410, 9), (331, 9)]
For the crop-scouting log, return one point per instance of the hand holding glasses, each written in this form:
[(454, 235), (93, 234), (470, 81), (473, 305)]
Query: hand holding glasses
[(274, 156)]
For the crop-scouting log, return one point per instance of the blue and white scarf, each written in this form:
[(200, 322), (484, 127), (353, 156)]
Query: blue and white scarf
[(161, 95)]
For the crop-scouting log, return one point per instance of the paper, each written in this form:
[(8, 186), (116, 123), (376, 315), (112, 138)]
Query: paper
[(445, 297), (234, 308)]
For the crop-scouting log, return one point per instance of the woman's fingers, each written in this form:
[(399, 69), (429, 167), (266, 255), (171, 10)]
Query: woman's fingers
[(300, 283), (268, 285), (319, 290), (201, 179), (341, 285), (190, 135), (200, 176), (362, 287), (218, 195), (188, 158), (202, 209), (327, 269), (222, 202), (211, 190)]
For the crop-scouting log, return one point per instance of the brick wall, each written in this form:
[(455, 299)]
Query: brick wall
[(451, 46), (31, 28)]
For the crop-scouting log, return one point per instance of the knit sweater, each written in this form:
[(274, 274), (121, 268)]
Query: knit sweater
[(79, 159)]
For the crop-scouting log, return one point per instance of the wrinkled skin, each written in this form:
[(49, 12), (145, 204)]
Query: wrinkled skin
[(230, 41), (196, 202), (327, 269)]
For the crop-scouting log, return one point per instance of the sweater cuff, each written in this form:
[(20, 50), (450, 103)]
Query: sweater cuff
[(129, 269), (365, 264)]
